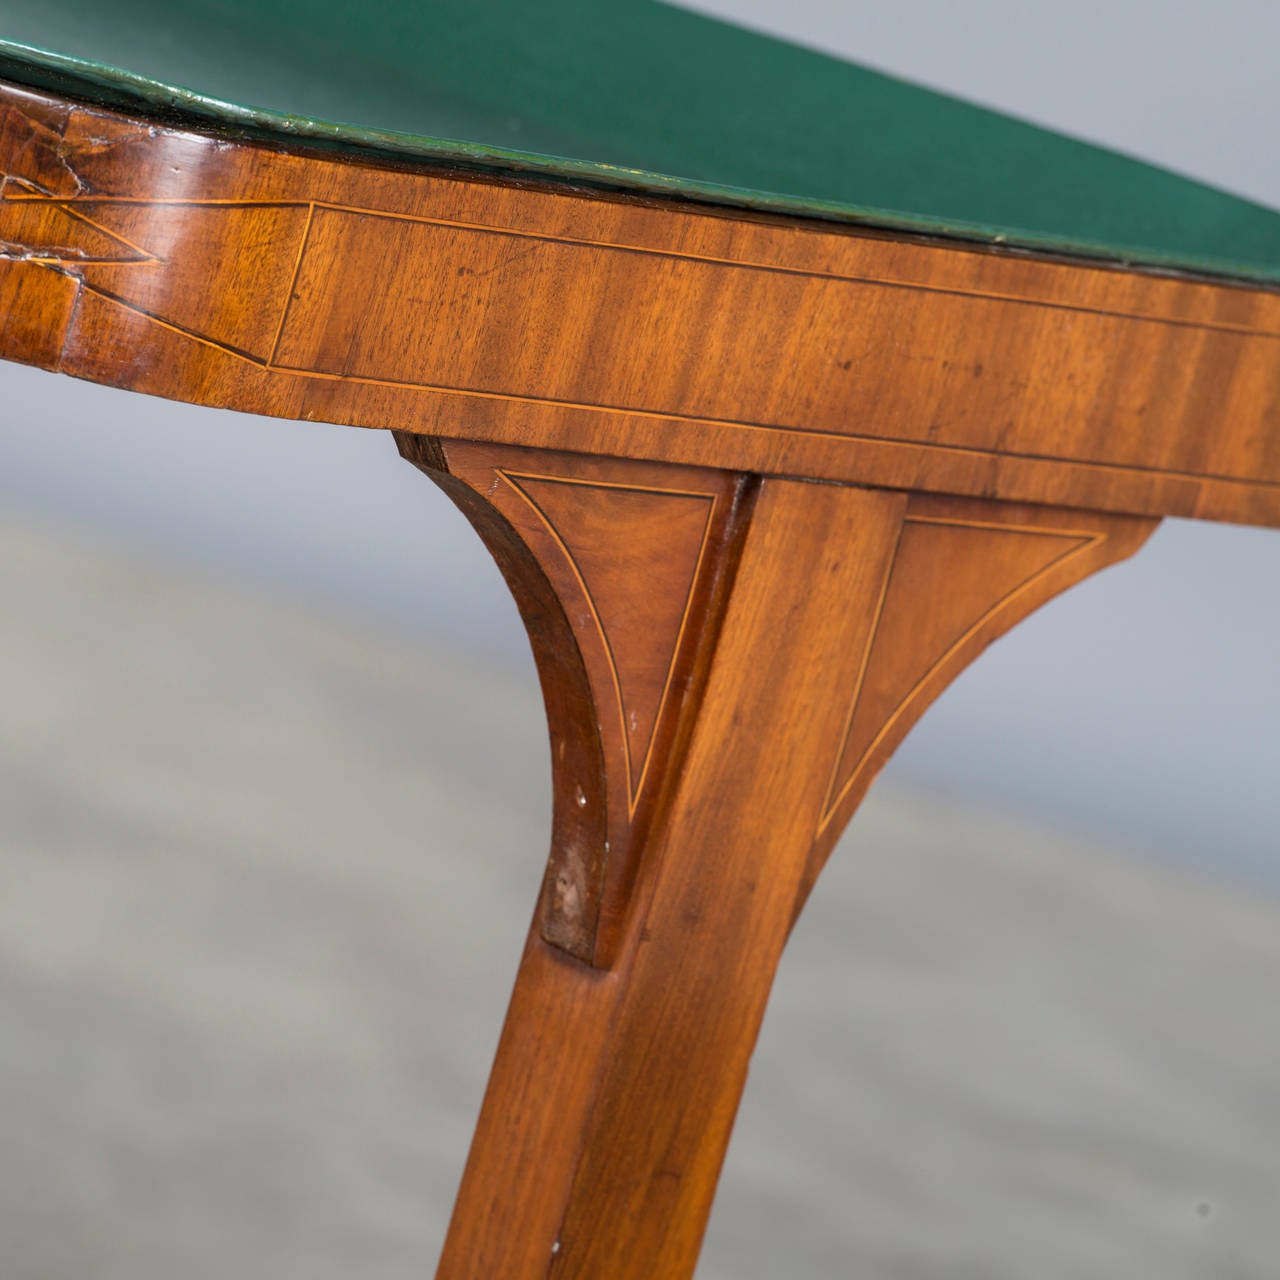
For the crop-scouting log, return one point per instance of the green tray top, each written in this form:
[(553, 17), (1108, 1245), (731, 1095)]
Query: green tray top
[(633, 94)]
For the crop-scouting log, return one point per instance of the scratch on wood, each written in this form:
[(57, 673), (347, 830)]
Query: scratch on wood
[(70, 327), (509, 261), (42, 151), (54, 255), (568, 893)]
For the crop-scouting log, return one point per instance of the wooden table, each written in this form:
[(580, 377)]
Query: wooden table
[(776, 405)]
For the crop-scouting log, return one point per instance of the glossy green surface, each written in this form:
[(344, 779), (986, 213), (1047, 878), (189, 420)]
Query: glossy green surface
[(635, 94)]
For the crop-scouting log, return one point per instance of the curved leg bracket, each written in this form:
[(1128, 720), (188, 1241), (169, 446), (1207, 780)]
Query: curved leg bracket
[(964, 572), (727, 661), (619, 570)]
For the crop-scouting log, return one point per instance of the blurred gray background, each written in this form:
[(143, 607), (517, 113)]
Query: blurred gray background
[(273, 809)]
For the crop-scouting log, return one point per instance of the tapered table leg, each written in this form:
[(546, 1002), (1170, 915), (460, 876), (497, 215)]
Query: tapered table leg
[(705, 642)]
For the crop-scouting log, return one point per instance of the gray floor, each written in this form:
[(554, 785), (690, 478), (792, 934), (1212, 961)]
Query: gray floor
[(265, 875)]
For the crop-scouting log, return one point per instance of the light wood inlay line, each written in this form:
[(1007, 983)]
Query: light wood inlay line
[(911, 447), (68, 207), (881, 281), (829, 803), (635, 788), (293, 284), (1090, 538)]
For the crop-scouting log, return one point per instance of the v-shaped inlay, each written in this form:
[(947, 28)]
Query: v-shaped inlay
[(949, 577), (44, 230), (138, 255), (615, 538)]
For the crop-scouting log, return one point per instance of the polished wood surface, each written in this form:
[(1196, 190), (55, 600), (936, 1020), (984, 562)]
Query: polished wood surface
[(761, 489), (519, 313), (748, 653), (617, 567)]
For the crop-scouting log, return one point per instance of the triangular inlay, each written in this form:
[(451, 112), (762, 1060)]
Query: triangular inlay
[(636, 553), (47, 229), (947, 578), (224, 270)]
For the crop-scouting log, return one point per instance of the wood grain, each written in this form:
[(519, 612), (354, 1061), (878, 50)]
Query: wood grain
[(788, 634), (458, 305), (964, 572), (622, 565), (619, 1087)]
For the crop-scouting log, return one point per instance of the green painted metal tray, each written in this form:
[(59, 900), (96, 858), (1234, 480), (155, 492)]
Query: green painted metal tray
[(639, 95)]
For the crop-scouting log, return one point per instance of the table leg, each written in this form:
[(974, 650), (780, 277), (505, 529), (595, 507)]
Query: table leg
[(710, 647)]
